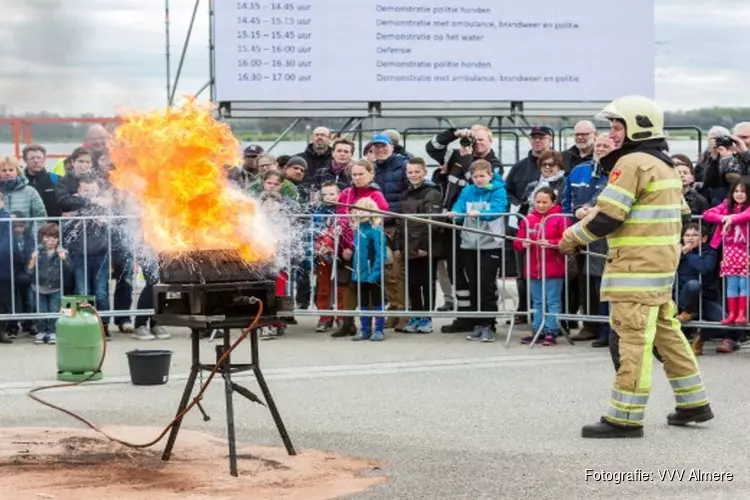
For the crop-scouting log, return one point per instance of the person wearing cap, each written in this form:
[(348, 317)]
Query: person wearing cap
[(318, 155), (295, 171), (584, 135), (398, 143), (641, 213), (522, 174), (390, 176), (245, 175)]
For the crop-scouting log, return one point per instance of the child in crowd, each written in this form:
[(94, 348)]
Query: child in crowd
[(477, 208), (733, 220), (422, 243), (697, 203), (49, 261), (545, 266), (87, 241), (324, 251), (274, 180), (6, 270), (23, 247), (368, 262), (699, 290)]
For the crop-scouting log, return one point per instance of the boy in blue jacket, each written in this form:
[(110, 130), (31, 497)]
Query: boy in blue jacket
[(477, 208)]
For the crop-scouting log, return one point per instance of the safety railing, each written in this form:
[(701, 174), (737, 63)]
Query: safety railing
[(83, 257), (698, 290), (483, 266)]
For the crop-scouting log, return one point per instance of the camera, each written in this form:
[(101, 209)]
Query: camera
[(725, 141), (466, 142)]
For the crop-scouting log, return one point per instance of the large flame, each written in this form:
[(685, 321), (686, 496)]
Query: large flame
[(173, 161)]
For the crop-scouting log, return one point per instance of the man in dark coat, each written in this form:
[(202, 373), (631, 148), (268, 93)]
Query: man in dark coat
[(35, 156), (317, 155), (584, 134)]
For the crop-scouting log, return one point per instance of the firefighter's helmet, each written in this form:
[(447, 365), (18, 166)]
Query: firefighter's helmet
[(643, 118)]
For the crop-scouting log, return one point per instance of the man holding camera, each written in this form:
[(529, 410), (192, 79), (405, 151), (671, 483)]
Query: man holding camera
[(453, 175), (728, 159)]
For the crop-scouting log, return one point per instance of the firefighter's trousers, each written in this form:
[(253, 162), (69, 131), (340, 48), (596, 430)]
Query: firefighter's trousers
[(640, 327)]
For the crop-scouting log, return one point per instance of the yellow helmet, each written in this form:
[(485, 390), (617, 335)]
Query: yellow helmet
[(643, 118)]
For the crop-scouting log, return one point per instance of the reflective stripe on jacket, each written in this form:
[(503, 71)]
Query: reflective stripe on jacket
[(644, 194)]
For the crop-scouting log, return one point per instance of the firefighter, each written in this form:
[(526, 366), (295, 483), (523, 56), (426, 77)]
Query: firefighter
[(640, 212)]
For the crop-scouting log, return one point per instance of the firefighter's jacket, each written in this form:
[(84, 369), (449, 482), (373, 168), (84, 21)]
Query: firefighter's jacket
[(640, 212)]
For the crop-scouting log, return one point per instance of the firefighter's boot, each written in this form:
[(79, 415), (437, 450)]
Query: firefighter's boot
[(684, 416), (605, 430)]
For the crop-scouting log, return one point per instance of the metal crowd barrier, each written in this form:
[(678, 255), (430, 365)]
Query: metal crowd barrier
[(122, 258), (300, 258)]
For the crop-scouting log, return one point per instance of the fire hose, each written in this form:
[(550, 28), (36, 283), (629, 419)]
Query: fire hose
[(426, 220), (196, 400)]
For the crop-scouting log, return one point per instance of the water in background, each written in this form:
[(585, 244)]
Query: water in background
[(415, 145)]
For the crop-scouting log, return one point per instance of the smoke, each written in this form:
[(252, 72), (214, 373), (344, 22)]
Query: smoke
[(42, 43)]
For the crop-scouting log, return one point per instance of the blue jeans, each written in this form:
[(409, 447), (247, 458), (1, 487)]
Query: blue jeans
[(93, 279), (48, 303), (122, 273), (552, 294), (691, 300), (736, 286)]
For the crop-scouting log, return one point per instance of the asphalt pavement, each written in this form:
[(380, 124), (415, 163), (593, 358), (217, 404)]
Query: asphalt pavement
[(450, 419)]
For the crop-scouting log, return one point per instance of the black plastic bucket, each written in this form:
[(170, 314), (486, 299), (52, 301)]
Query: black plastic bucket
[(149, 367)]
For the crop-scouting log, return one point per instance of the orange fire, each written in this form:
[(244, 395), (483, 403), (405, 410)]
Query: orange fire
[(173, 161)]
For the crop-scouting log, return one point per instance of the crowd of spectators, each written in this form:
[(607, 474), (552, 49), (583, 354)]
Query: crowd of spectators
[(355, 257)]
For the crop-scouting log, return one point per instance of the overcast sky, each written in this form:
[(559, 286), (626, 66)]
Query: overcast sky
[(94, 55)]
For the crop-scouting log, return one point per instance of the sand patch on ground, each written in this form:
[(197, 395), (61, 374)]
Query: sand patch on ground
[(78, 464)]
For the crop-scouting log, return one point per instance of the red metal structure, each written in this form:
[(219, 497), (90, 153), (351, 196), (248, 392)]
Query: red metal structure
[(22, 129)]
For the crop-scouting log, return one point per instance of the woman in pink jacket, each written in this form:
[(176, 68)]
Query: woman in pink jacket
[(362, 175), (542, 230), (362, 186), (733, 220)]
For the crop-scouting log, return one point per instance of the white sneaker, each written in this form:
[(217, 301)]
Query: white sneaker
[(143, 333), (126, 327), (51, 339), (160, 332), (39, 338)]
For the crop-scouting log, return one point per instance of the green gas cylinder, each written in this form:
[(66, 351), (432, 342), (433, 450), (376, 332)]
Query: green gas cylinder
[(79, 340)]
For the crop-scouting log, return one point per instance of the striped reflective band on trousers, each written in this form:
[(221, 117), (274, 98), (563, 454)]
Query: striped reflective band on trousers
[(689, 392), (634, 282), (617, 196), (654, 214), (627, 407)]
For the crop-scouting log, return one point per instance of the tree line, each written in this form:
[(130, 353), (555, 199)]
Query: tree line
[(269, 128)]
